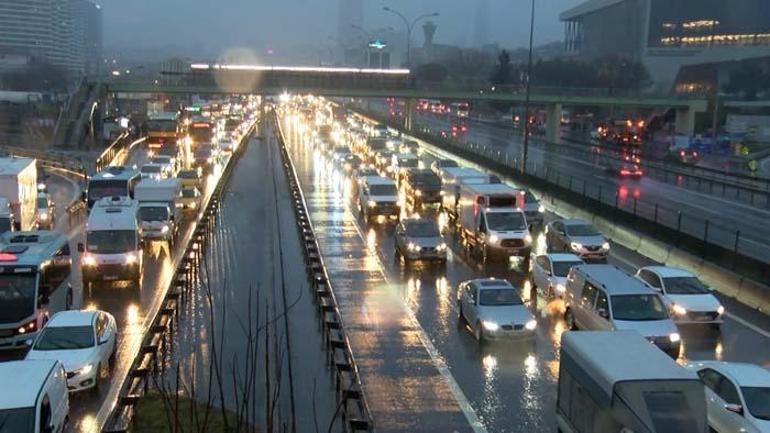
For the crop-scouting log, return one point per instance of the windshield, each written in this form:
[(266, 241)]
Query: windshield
[(505, 221), (502, 296), (757, 402), (422, 229), (367, 172), (161, 125), (65, 338), (411, 163), (17, 420), (382, 190), (561, 269), (685, 286), (17, 295), (153, 213), (98, 189), (443, 163), (187, 174), (188, 193), (42, 202), (427, 179), (161, 160), (151, 169), (582, 230), (201, 135), (111, 241), (529, 197), (638, 308)]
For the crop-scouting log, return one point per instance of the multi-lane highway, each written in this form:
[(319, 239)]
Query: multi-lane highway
[(725, 216), (452, 380)]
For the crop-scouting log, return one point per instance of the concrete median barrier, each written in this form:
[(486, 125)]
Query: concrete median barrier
[(755, 295), (654, 249), (722, 280)]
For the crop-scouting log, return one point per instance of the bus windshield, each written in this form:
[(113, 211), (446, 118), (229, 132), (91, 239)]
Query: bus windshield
[(17, 295), (201, 135), (111, 241), (98, 189)]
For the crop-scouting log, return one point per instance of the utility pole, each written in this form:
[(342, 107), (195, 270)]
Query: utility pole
[(525, 147)]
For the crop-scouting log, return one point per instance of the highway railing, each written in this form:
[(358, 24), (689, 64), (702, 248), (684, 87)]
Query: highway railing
[(51, 159), (727, 246), (158, 338), (351, 399), (121, 144)]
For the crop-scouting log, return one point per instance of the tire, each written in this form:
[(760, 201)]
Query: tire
[(569, 319), (478, 333)]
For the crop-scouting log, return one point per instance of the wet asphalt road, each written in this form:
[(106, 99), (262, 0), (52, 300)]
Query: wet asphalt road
[(242, 286), (725, 216), (509, 386)]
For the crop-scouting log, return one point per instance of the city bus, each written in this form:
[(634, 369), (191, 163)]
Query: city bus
[(162, 128), (201, 131), (35, 269), (113, 181)]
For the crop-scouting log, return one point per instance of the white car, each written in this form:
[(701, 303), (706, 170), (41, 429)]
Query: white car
[(688, 299), (191, 198), (549, 272), (83, 341), (153, 171), (168, 163), (493, 309), (45, 211), (737, 396)]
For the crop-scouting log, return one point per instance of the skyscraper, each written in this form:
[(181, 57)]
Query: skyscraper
[(350, 13), (481, 23), (64, 33)]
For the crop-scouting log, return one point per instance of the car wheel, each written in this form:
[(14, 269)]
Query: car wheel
[(478, 332), (569, 320)]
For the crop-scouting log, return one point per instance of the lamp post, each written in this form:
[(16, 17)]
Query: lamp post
[(525, 147), (409, 27)]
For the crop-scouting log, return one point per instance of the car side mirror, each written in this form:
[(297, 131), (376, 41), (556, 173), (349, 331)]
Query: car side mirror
[(104, 338), (548, 272), (81, 247), (735, 408), (603, 313)]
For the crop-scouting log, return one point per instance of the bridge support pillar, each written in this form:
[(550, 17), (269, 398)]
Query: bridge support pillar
[(685, 122), (553, 123), (408, 113)]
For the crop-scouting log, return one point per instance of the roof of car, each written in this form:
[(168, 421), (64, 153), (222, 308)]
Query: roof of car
[(574, 222), (488, 283), (743, 373), (72, 318), (668, 271), (25, 378), (614, 280), (379, 180), (563, 257)]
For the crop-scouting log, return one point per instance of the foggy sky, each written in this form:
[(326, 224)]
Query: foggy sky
[(212, 27)]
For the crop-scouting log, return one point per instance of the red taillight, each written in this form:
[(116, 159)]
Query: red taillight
[(465, 128), (695, 154), (624, 172), (681, 153)]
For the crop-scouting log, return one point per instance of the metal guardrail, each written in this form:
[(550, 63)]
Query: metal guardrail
[(350, 395), (152, 353), (52, 159), (109, 154)]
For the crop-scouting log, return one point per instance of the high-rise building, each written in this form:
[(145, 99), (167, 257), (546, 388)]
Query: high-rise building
[(480, 23), (350, 13), (64, 33)]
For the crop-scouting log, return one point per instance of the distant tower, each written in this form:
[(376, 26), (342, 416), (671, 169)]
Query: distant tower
[(481, 23), (351, 12), (428, 30)]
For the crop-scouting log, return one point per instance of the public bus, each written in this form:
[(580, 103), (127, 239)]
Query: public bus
[(113, 181), (201, 130), (162, 128), (35, 269)]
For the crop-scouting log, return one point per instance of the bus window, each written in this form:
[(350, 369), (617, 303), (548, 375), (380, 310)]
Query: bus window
[(57, 272)]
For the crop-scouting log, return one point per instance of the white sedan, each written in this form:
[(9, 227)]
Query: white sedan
[(737, 395), (83, 341), (689, 300)]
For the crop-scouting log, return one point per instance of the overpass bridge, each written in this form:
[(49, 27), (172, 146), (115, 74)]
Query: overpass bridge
[(206, 79)]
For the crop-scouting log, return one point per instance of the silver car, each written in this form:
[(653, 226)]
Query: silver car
[(549, 273), (493, 309), (420, 239), (578, 237)]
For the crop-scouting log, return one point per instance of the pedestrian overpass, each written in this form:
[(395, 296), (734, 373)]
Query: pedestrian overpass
[(206, 79)]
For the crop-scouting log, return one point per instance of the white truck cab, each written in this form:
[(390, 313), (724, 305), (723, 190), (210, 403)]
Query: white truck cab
[(113, 248), (34, 397), (157, 210)]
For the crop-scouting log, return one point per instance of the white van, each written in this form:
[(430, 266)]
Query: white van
[(34, 397)]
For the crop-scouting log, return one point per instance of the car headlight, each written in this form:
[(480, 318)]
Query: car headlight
[(528, 239), (418, 193), (576, 246), (541, 208), (84, 370), (412, 246), (164, 229), (721, 310), (490, 326), (606, 246), (531, 325), (88, 260), (560, 288), (44, 216), (441, 246), (674, 337), (130, 258), (441, 192), (493, 239), (371, 203), (27, 327), (678, 310)]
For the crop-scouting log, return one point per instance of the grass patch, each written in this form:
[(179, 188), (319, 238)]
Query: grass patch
[(152, 416)]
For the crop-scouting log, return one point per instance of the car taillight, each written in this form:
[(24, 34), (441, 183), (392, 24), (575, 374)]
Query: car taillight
[(681, 153)]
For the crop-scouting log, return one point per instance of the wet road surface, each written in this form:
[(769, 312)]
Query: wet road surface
[(510, 386)]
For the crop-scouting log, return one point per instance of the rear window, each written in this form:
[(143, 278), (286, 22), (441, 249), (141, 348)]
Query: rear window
[(383, 190)]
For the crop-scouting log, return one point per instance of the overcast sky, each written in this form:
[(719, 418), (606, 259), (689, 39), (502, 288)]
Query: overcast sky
[(216, 26)]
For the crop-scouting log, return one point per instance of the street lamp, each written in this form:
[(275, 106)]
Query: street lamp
[(409, 27), (525, 147), (370, 35)]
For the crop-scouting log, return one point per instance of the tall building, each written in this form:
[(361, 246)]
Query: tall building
[(480, 23), (670, 35), (350, 13), (64, 33)]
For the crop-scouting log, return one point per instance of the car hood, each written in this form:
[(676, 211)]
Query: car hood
[(697, 303), (509, 234), (426, 242), (505, 315), (587, 240), (70, 359), (761, 426), (648, 328)]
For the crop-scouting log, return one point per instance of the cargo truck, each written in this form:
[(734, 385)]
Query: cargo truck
[(157, 210), (18, 185)]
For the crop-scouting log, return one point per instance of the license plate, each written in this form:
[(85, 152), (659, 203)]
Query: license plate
[(110, 277)]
